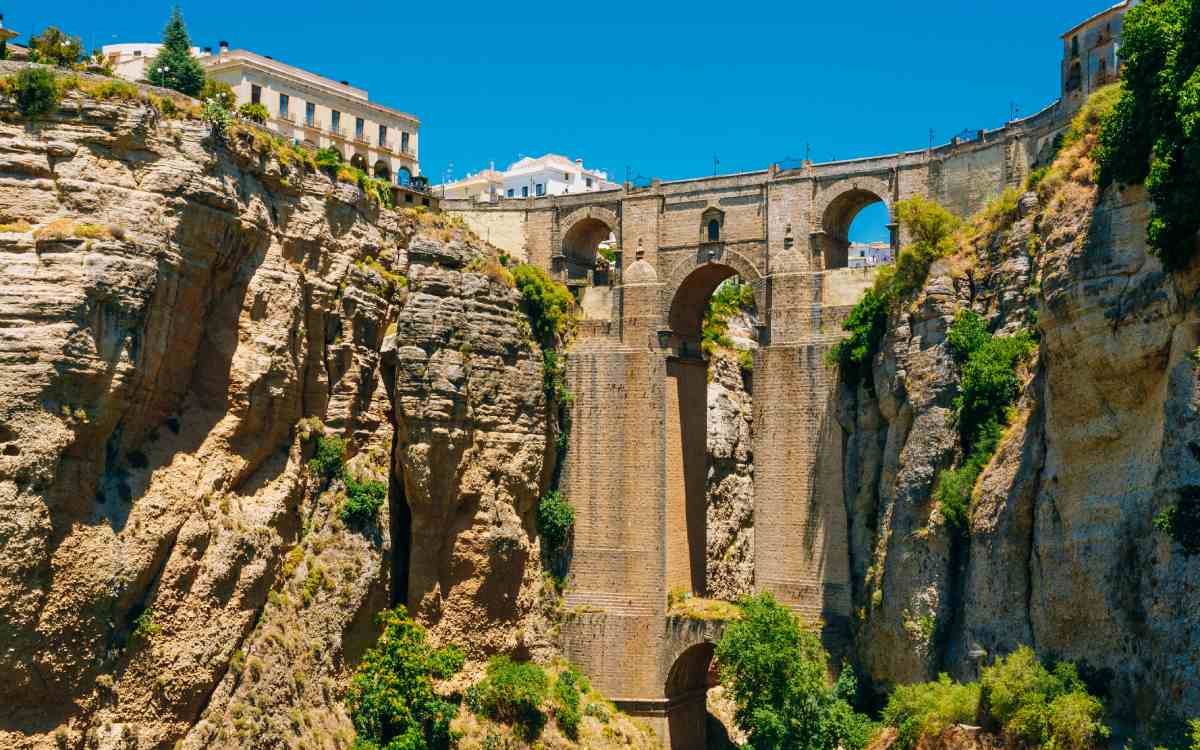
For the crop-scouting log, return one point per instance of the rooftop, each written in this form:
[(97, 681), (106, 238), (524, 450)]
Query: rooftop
[(1121, 6)]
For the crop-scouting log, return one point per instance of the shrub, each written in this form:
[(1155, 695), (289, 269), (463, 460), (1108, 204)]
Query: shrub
[(144, 626), (566, 702), (776, 674), (512, 693), (867, 323), (53, 47), (925, 709), (256, 113), (1036, 706), (174, 67), (548, 304), (217, 117), (555, 521), (1153, 132), (123, 90), (1195, 725), (363, 500), (1181, 520), (326, 157), (220, 92), (391, 698), (327, 462), (35, 92)]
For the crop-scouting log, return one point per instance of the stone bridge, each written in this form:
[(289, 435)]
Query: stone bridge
[(636, 468)]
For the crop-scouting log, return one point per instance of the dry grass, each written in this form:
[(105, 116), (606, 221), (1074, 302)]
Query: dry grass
[(493, 269), (16, 226), (680, 604), (62, 229)]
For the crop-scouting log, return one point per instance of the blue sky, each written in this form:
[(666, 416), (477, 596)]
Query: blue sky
[(659, 88)]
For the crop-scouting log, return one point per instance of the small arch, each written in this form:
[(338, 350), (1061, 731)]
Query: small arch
[(359, 161), (383, 171), (404, 176), (687, 684)]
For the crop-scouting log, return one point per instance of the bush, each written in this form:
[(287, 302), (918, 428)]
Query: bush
[(566, 703), (1181, 520), (555, 521), (391, 698), (1153, 134), (512, 693), (144, 626), (220, 92), (217, 117), (776, 674), (925, 709), (988, 387), (35, 92), (867, 323), (174, 67), (255, 113), (327, 157), (363, 500), (1036, 706), (548, 304), (327, 462), (53, 47)]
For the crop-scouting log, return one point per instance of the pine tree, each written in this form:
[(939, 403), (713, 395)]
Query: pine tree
[(174, 67)]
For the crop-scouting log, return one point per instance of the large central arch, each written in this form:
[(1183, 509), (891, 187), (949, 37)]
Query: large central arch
[(838, 205)]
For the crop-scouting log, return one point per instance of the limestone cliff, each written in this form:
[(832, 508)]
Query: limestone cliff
[(1062, 552), (181, 318)]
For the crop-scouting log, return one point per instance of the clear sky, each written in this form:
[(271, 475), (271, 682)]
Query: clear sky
[(656, 88)]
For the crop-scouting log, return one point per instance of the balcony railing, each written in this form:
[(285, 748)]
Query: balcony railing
[(286, 117), (385, 145), (362, 138)]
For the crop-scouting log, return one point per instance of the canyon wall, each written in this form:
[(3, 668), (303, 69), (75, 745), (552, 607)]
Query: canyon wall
[(1062, 552), (182, 319)]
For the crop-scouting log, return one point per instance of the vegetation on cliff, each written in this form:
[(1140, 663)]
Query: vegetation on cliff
[(776, 671), (989, 386), (391, 697), (1017, 697), (1153, 135), (174, 67)]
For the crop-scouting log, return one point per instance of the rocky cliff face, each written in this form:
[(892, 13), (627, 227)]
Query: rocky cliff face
[(1062, 552), (180, 319)]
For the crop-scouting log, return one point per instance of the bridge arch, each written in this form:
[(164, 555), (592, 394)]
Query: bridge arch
[(835, 210), (584, 229), (692, 281)]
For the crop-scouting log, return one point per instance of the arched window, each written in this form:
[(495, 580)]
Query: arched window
[(714, 230), (711, 223)]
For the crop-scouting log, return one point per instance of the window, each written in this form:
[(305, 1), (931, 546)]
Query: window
[(511, 193), (310, 113), (359, 125), (539, 189), (714, 230), (283, 105), (404, 141), (335, 121), (524, 191), (1075, 46), (255, 94), (383, 136), (588, 182), (137, 53)]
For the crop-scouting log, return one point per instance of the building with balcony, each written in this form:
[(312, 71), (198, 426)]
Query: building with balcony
[(552, 174), (1091, 53), (305, 107)]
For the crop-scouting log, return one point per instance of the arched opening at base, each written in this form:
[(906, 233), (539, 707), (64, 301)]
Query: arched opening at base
[(686, 691), (580, 249)]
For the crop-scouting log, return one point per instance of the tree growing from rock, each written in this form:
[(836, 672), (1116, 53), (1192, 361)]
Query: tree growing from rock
[(174, 67), (55, 47)]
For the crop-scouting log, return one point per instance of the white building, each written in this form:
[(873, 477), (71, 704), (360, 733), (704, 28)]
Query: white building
[(551, 174), (868, 254), (304, 107)]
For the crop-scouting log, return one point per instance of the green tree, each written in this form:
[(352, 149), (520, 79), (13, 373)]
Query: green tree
[(1153, 134), (54, 47), (35, 92), (174, 67), (391, 698), (776, 671)]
